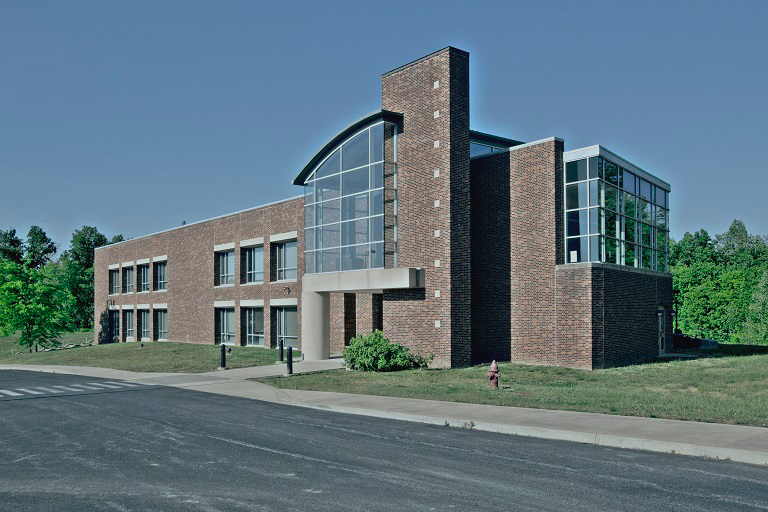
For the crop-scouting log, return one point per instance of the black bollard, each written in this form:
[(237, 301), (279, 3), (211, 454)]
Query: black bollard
[(223, 356), (289, 362), (280, 348)]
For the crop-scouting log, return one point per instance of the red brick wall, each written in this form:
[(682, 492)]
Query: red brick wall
[(190, 270), (409, 316)]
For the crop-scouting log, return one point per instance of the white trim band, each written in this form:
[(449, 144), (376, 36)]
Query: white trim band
[(283, 302), (158, 259), (223, 303), (114, 266), (252, 242), (281, 237), (258, 303), (143, 261), (163, 305), (224, 247), (142, 306), (127, 264)]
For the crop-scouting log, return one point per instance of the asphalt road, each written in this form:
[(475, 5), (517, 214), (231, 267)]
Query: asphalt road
[(116, 447)]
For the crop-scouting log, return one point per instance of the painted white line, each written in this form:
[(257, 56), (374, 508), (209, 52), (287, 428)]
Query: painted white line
[(84, 386), (9, 393), (129, 384), (67, 388), (102, 385), (49, 390), (31, 391)]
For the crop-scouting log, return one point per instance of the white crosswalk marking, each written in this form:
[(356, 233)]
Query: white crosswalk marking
[(129, 384), (84, 386), (30, 391), (102, 385), (49, 390), (9, 393), (67, 388)]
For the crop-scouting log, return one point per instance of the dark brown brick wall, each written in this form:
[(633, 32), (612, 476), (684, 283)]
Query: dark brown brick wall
[(409, 316), (190, 295), (491, 273), (534, 171)]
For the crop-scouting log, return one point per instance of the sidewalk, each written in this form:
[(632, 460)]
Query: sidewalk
[(732, 442)]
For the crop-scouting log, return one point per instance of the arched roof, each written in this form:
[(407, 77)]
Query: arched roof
[(386, 115)]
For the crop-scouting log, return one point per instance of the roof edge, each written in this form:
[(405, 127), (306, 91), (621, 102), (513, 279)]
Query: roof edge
[(449, 48), (203, 221), (386, 115), (493, 139)]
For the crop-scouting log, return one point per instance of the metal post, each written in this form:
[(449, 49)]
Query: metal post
[(289, 362), (223, 356), (280, 348)]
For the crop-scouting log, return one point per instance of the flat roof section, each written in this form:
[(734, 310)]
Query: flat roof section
[(205, 220), (598, 150)]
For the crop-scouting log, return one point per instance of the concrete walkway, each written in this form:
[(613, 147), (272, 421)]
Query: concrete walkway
[(732, 442)]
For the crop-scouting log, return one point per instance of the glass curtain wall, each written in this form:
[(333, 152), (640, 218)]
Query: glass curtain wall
[(344, 214), (614, 216)]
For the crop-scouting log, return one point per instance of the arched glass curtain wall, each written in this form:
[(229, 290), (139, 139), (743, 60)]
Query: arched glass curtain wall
[(350, 204)]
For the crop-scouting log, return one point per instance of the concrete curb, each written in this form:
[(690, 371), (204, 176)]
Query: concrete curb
[(613, 441)]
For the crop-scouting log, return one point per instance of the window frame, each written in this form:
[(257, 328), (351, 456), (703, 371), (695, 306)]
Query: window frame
[(161, 326), (250, 260), (281, 323), (158, 283), (628, 246), (224, 336), (226, 273), (114, 284), (129, 285), (282, 270), (143, 278), (253, 337)]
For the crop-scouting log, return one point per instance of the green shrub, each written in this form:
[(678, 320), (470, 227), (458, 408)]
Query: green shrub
[(375, 353)]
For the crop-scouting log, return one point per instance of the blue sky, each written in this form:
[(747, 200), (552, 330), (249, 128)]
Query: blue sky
[(135, 116)]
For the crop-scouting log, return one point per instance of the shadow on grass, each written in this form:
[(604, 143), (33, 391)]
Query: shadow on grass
[(727, 350)]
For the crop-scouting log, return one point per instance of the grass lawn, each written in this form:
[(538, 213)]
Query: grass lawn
[(153, 357), (729, 385)]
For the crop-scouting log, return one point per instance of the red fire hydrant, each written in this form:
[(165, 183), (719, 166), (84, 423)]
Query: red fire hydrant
[(493, 375)]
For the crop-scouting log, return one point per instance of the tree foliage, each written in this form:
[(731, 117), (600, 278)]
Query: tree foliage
[(33, 300), (718, 281), (77, 265), (40, 297)]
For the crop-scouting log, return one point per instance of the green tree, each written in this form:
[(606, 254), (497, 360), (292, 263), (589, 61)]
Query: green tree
[(77, 272), (39, 249), (11, 247), (33, 301), (756, 326), (717, 280)]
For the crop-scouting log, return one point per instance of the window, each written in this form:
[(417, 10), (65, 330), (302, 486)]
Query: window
[(128, 324), (114, 282), (144, 324), (614, 216), (161, 280), (254, 264), (128, 280), (225, 268), (225, 326), (285, 256), (161, 325), (143, 278), (287, 326), (254, 327), (114, 326), (349, 200)]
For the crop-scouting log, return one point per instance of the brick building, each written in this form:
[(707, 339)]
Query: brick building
[(456, 243)]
